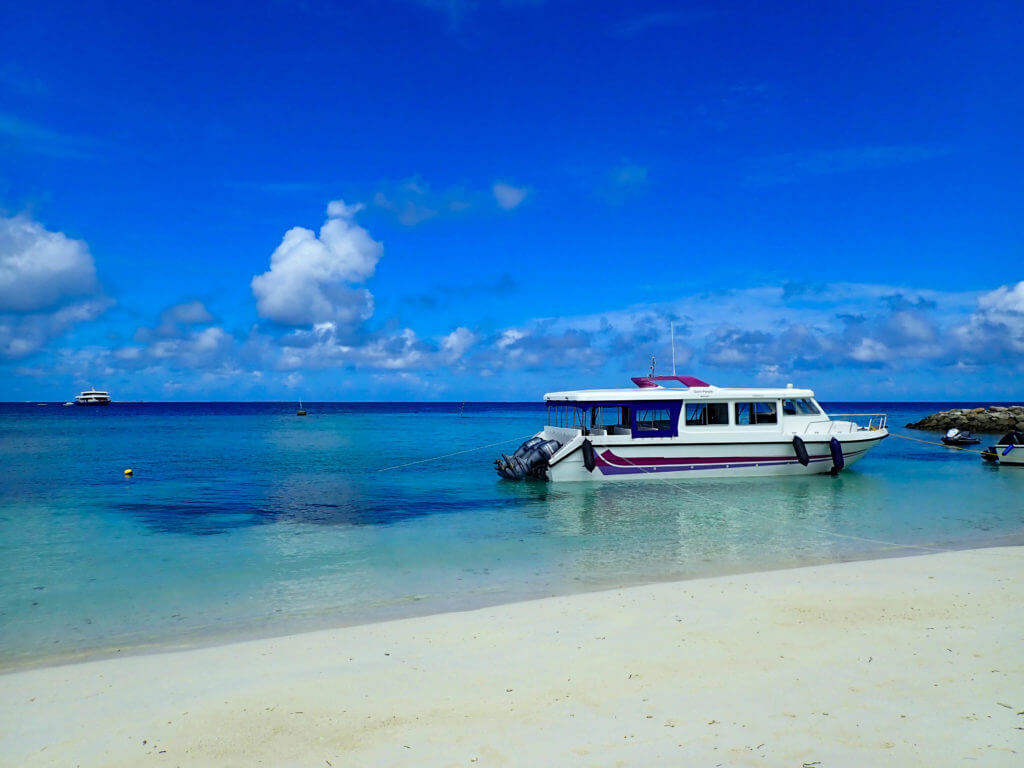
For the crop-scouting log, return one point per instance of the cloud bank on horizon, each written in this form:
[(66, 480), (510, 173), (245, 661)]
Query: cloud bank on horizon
[(462, 200), (320, 317)]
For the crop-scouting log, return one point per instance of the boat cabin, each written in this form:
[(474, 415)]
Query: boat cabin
[(691, 407)]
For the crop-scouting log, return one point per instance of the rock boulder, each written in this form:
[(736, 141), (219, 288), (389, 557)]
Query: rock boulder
[(995, 419)]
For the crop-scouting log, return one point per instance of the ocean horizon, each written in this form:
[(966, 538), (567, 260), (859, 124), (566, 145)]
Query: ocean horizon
[(242, 520)]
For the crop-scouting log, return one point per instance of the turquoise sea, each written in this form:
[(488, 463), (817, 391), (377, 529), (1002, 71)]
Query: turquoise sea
[(243, 519)]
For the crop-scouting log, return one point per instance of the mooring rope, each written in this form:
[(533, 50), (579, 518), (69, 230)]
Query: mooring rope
[(456, 453), (940, 445)]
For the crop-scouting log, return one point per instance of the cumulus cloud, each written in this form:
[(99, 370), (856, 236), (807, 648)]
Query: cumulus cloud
[(314, 278), (326, 345), (40, 269), (1005, 299), (193, 349), (176, 320), (21, 335), (189, 313), (456, 344), (769, 331), (539, 348), (507, 196), (995, 330), (47, 285)]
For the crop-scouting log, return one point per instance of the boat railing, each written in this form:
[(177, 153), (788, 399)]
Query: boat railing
[(876, 421)]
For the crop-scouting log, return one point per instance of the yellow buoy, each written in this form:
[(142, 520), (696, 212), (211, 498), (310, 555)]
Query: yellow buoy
[(127, 473)]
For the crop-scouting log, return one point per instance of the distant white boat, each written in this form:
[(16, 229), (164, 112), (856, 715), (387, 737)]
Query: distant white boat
[(93, 397)]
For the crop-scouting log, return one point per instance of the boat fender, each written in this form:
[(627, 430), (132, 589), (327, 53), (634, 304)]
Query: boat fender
[(589, 456), (1008, 449), (800, 450), (836, 449)]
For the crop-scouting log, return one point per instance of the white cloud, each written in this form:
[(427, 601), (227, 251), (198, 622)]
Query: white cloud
[(509, 337), (1005, 299), (189, 313), (40, 269), (871, 351), (456, 344), (996, 328), (507, 196), (174, 321), (21, 335), (312, 278), (47, 285)]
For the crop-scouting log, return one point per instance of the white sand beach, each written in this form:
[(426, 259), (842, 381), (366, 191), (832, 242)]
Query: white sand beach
[(916, 661)]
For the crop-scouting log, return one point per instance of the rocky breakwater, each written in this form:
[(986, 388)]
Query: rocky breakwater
[(995, 418)]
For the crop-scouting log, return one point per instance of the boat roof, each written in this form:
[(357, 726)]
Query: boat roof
[(692, 389)]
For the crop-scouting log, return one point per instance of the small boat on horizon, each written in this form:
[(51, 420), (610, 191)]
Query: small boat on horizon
[(93, 397), (690, 429)]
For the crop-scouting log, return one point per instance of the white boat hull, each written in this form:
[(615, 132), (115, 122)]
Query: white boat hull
[(633, 460), (1015, 458)]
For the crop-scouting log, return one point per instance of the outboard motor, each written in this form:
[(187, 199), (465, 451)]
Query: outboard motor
[(1012, 438), (529, 460)]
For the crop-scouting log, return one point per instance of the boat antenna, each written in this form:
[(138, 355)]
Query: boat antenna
[(652, 365), (672, 330)]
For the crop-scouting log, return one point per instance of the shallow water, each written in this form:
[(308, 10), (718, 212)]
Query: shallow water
[(242, 519)]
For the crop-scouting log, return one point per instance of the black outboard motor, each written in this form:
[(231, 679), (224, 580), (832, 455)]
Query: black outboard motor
[(1012, 438), (529, 460)]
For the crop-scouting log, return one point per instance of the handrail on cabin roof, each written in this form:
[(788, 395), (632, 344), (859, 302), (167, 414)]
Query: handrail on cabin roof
[(647, 382)]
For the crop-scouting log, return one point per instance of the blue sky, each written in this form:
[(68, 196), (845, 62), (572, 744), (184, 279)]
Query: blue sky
[(459, 200)]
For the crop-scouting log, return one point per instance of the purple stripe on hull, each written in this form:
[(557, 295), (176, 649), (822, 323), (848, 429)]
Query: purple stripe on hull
[(657, 465), (607, 469), (611, 459)]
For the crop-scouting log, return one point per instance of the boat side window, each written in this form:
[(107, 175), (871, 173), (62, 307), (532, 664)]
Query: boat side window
[(801, 407), (756, 413), (705, 414), (653, 419), (563, 415), (609, 416)]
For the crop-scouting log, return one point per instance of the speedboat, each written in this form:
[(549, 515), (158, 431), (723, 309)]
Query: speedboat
[(956, 437), (683, 427), (1009, 450), (93, 397)]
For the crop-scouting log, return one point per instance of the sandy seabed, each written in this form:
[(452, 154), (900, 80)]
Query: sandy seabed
[(915, 661)]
